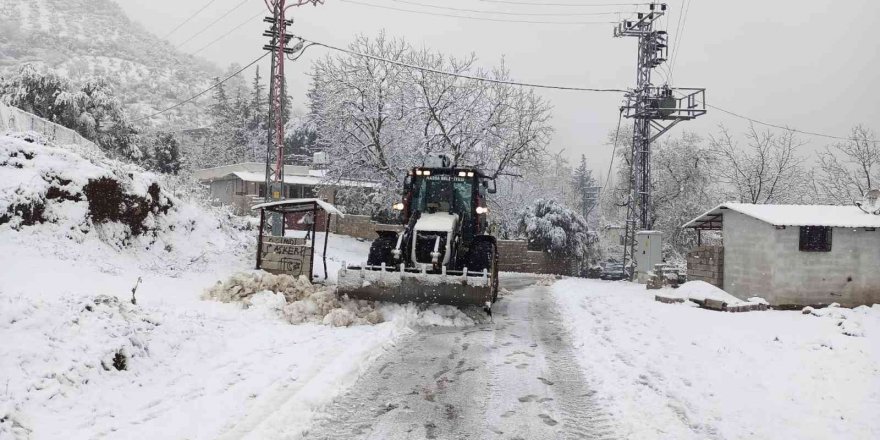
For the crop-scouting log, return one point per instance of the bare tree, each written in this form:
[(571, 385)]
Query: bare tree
[(849, 169), (358, 106), (378, 119), (683, 187), (767, 169)]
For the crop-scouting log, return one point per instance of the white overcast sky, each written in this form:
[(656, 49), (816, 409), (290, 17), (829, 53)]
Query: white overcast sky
[(811, 65)]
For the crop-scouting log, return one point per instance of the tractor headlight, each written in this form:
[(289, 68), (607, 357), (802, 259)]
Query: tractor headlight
[(462, 174), (398, 206), (426, 172), (470, 174), (482, 209), (418, 172)]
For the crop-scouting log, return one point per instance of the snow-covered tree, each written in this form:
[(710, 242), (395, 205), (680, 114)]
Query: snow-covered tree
[(377, 119), (162, 153), (558, 230), (91, 108), (768, 169), (584, 187), (849, 169)]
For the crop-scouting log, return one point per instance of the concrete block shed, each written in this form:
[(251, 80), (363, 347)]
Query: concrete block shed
[(791, 255)]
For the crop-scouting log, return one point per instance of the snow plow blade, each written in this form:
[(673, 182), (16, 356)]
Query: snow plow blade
[(375, 283)]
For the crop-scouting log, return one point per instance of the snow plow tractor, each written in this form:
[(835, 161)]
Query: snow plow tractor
[(444, 253)]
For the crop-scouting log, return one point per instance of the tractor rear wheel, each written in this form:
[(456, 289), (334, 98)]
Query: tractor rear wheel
[(380, 251)]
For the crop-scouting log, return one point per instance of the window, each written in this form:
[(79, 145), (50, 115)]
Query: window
[(815, 239)]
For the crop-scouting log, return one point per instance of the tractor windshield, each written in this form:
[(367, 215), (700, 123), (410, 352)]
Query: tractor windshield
[(441, 192)]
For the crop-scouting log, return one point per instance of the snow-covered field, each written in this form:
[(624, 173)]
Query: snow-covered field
[(673, 371)]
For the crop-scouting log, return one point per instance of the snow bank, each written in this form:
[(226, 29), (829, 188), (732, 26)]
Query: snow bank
[(90, 337), (676, 372), (700, 291), (75, 202), (850, 322)]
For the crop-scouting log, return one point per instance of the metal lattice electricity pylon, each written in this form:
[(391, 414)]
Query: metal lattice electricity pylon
[(654, 110)]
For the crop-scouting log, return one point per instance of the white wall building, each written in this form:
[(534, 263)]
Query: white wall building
[(793, 254)]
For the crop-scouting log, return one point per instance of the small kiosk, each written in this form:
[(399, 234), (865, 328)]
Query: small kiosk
[(293, 255)]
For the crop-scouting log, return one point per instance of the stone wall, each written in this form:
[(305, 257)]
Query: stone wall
[(359, 226), (514, 256), (706, 263)]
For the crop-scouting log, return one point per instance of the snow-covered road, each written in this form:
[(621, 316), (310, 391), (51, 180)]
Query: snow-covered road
[(514, 378)]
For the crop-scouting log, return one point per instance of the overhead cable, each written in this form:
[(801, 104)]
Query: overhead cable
[(530, 14), (575, 5), (212, 87), (475, 78), (240, 4), (756, 121), (469, 17), (227, 33), (188, 19)]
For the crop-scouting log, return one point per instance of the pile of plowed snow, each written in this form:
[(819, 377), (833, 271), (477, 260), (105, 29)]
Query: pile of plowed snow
[(296, 298), (55, 197), (298, 301)]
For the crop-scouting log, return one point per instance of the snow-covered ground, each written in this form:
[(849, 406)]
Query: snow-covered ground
[(79, 361), (674, 371)]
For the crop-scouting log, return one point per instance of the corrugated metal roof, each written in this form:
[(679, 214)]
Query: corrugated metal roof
[(794, 215)]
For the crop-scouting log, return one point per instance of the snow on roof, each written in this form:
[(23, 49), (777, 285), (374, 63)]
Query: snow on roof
[(261, 177), (324, 205), (249, 176), (793, 215)]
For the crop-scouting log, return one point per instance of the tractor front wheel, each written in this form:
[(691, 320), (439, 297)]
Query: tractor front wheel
[(484, 255), (380, 251)]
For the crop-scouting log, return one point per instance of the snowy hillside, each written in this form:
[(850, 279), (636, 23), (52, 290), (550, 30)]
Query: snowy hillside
[(94, 37)]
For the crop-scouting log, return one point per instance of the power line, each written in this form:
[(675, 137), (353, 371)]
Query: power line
[(188, 19), (240, 4), (467, 17), (191, 98), (686, 8), (810, 133), (576, 5), (530, 14), (475, 78), (613, 152), (229, 32)]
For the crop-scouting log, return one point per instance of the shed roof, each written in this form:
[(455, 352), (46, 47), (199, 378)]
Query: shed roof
[(249, 176), (790, 215), (293, 204)]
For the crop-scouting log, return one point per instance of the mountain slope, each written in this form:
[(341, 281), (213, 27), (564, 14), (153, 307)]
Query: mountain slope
[(81, 38)]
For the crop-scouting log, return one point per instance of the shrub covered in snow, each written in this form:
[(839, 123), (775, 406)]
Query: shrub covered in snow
[(552, 227)]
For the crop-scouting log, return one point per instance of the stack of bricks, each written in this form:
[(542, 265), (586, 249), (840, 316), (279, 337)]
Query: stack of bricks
[(706, 263)]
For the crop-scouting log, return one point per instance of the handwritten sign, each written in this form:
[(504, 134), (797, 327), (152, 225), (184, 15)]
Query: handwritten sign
[(286, 255)]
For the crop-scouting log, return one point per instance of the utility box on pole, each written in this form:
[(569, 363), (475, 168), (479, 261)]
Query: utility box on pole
[(648, 252)]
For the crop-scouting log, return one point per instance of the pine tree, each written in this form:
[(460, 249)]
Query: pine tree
[(585, 187), (164, 153)]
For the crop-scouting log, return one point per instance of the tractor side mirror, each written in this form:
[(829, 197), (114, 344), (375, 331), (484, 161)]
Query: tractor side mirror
[(407, 184), (493, 189)]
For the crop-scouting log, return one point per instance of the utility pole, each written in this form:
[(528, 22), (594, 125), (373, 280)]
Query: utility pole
[(277, 93), (654, 110)]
